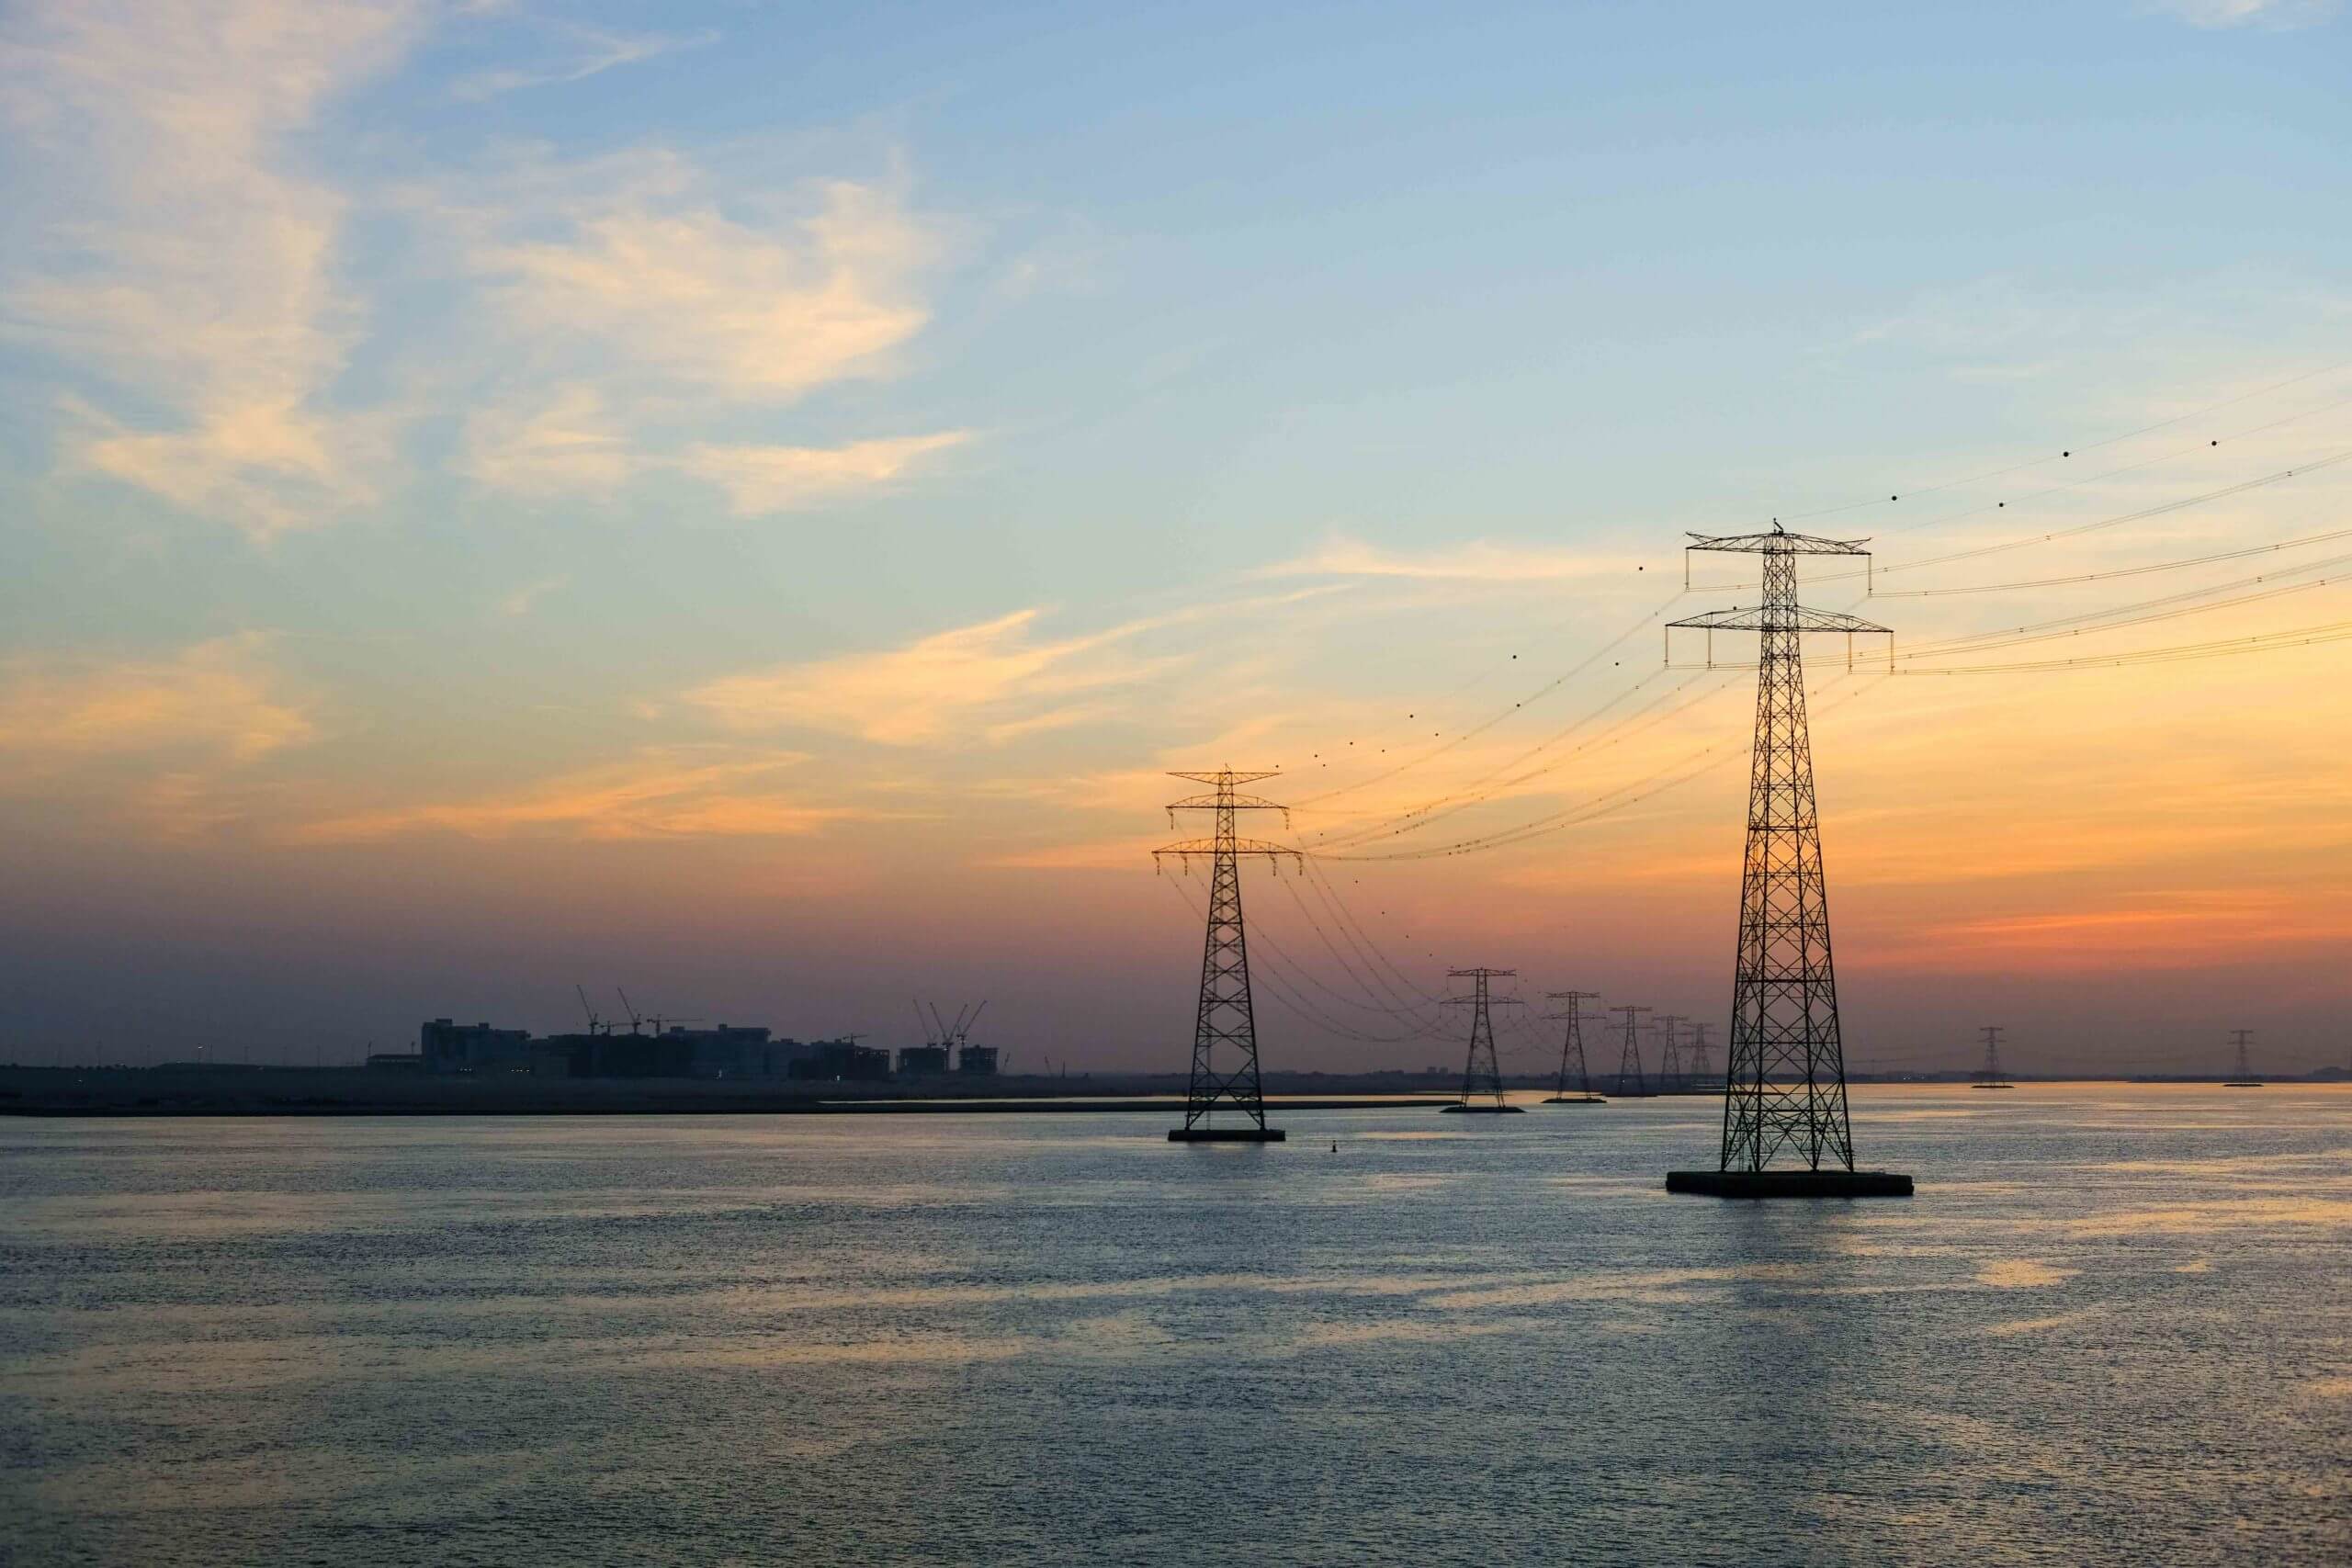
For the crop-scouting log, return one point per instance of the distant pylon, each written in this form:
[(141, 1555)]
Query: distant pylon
[(1669, 1053), (1784, 1087), (1572, 1047), (1226, 1018), (2242, 1038), (1481, 1073), (1629, 1056), (1701, 1062), (1989, 1075)]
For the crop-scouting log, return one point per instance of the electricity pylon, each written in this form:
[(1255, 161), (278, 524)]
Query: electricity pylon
[(1572, 1050), (1702, 1063), (2242, 1037), (1629, 1056), (1669, 1055), (1784, 1087), (1481, 1073), (1226, 1018), (1989, 1075)]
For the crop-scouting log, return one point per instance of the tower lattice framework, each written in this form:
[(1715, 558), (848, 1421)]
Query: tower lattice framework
[(1629, 1056), (1784, 1083), (1225, 1029), (1481, 1072), (1572, 1043)]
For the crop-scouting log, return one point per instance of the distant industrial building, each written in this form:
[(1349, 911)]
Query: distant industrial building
[(922, 1061), (727, 1051), (841, 1061), (977, 1061)]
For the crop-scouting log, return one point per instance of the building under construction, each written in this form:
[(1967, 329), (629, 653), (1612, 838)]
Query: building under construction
[(447, 1048)]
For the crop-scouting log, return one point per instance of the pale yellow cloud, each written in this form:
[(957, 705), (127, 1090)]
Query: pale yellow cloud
[(658, 793), (940, 687), (219, 699), (760, 480), (650, 264), (181, 253), (1476, 561), (564, 444)]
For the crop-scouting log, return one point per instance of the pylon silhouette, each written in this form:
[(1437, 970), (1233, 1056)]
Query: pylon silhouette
[(1669, 1055), (1629, 1056), (1572, 1050), (1701, 1064), (1784, 1087), (1225, 1028), (1482, 1080)]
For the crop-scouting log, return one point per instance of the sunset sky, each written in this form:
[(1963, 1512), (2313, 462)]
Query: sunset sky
[(748, 502)]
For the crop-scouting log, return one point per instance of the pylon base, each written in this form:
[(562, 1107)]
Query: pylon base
[(1226, 1135), (1575, 1100), (1790, 1183), (1485, 1110)]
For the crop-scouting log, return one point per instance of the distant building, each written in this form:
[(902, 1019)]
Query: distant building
[(922, 1061), (841, 1061), (977, 1061), (473, 1048), (395, 1062)]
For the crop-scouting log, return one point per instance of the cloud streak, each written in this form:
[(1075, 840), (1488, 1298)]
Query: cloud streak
[(219, 700), (658, 793), (184, 258)]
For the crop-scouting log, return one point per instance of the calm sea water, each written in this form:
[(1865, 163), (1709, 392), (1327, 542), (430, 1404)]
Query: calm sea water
[(2113, 1327)]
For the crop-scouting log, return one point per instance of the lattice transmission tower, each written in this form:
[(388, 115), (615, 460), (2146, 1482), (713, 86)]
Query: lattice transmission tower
[(1225, 1029), (1669, 1050), (1572, 1062), (1701, 1064), (2242, 1038), (1482, 1078), (1629, 1056), (1989, 1075), (1784, 1086)]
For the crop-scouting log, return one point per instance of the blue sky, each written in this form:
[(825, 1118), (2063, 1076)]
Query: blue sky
[(842, 454)]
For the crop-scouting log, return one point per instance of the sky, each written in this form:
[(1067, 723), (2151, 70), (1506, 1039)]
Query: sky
[(748, 503)]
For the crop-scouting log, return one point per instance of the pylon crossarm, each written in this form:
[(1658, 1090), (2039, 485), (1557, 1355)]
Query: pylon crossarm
[(1218, 803), (1208, 847), (1778, 542), (1794, 618)]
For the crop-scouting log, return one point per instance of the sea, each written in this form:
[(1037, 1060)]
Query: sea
[(2113, 1327)]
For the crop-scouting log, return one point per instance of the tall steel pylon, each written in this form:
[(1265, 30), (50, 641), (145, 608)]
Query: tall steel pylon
[(1482, 1080), (1670, 1051), (1784, 1087), (2242, 1038), (1572, 1048), (1629, 1056), (1701, 1064), (1989, 1075), (1225, 1029)]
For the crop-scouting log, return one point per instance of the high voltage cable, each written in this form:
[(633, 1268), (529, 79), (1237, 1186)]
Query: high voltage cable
[(2183, 653), (2069, 452), (1604, 804), (1285, 993), (2127, 616), (1645, 718), (1324, 890), (2118, 571), (1404, 1011), (1341, 836)]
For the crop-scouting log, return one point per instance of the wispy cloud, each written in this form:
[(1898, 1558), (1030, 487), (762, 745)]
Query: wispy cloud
[(763, 480), (657, 792), (1476, 561), (183, 254), (593, 52), (638, 253), (933, 689), (563, 443), (220, 699)]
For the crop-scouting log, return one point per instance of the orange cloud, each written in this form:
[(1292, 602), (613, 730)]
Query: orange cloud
[(656, 794)]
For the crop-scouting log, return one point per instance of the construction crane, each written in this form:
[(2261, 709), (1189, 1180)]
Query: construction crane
[(595, 1025), (636, 1021)]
